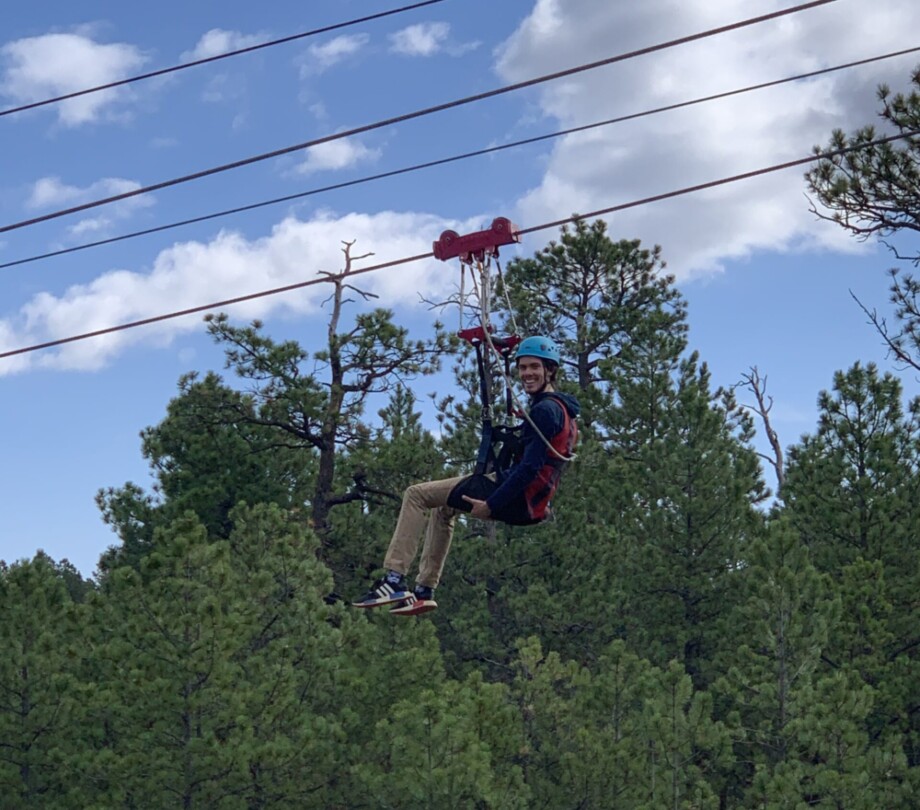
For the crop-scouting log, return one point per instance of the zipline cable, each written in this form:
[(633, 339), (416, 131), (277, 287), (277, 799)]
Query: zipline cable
[(523, 231), (454, 158), (226, 55), (416, 114)]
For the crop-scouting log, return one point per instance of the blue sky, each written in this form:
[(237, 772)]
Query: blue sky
[(767, 283)]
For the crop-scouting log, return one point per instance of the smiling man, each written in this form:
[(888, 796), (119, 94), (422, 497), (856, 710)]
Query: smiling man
[(520, 495)]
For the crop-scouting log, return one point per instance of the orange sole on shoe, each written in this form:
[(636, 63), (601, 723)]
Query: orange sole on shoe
[(416, 608)]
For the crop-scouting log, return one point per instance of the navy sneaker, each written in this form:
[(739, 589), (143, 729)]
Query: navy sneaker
[(421, 600), (384, 592)]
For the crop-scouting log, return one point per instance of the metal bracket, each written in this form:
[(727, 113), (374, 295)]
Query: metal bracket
[(475, 246)]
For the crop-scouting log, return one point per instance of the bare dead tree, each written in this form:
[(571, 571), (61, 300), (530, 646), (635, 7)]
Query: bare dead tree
[(757, 385), (322, 410)]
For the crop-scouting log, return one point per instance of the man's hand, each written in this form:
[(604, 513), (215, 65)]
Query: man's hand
[(480, 508)]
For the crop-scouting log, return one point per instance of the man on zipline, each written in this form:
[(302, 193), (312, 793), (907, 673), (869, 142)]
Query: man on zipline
[(520, 495)]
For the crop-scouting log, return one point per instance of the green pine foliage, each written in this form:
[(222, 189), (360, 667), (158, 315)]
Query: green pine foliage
[(207, 652), (39, 687), (622, 734), (220, 670), (778, 631), (872, 190), (453, 746), (608, 305), (695, 483), (854, 498), (667, 642), (207, 455)]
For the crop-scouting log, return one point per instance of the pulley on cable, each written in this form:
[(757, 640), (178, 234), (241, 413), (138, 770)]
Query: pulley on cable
[(477, 251)]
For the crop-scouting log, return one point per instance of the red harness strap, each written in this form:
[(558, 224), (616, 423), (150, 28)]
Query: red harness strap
[(540, 491)]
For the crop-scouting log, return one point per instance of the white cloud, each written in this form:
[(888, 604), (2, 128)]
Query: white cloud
[(191, 274), (51, 193), (332, 155), (665, 152), (51, 65), (10, 340), (218, 41), (322, 57), (423, 39), (223, 88)]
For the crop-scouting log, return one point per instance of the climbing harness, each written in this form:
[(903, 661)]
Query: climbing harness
[(478, 251)]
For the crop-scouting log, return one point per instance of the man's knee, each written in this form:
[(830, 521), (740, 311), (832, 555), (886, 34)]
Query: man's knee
[(415, 493), (428, 494)]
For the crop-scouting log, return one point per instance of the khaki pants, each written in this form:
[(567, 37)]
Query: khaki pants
[(439, 529)]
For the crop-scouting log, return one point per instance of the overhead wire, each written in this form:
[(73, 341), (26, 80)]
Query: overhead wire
[(416, 114), (452, 159), (821, 155), (225, 55)]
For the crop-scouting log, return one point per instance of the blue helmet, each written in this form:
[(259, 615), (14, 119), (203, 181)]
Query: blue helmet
[(538, 346)]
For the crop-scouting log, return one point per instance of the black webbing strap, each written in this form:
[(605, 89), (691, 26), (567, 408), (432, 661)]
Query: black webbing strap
[(485, 457)]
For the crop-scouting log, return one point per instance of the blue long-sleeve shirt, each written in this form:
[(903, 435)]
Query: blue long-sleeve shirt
[(546, 413)]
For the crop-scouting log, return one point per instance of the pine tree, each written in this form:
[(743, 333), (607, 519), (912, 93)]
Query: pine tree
[(280, 441), (206, 456), (39, 693), (777, 635), (219, 662), (320, 410), (655, 512), (450, 747), (688, 516), (852, 492), (222, 677), (623, 734), (872, 190), (832, 761), (604, 302)]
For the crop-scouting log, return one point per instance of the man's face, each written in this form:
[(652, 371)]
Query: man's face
[(532, 374)]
